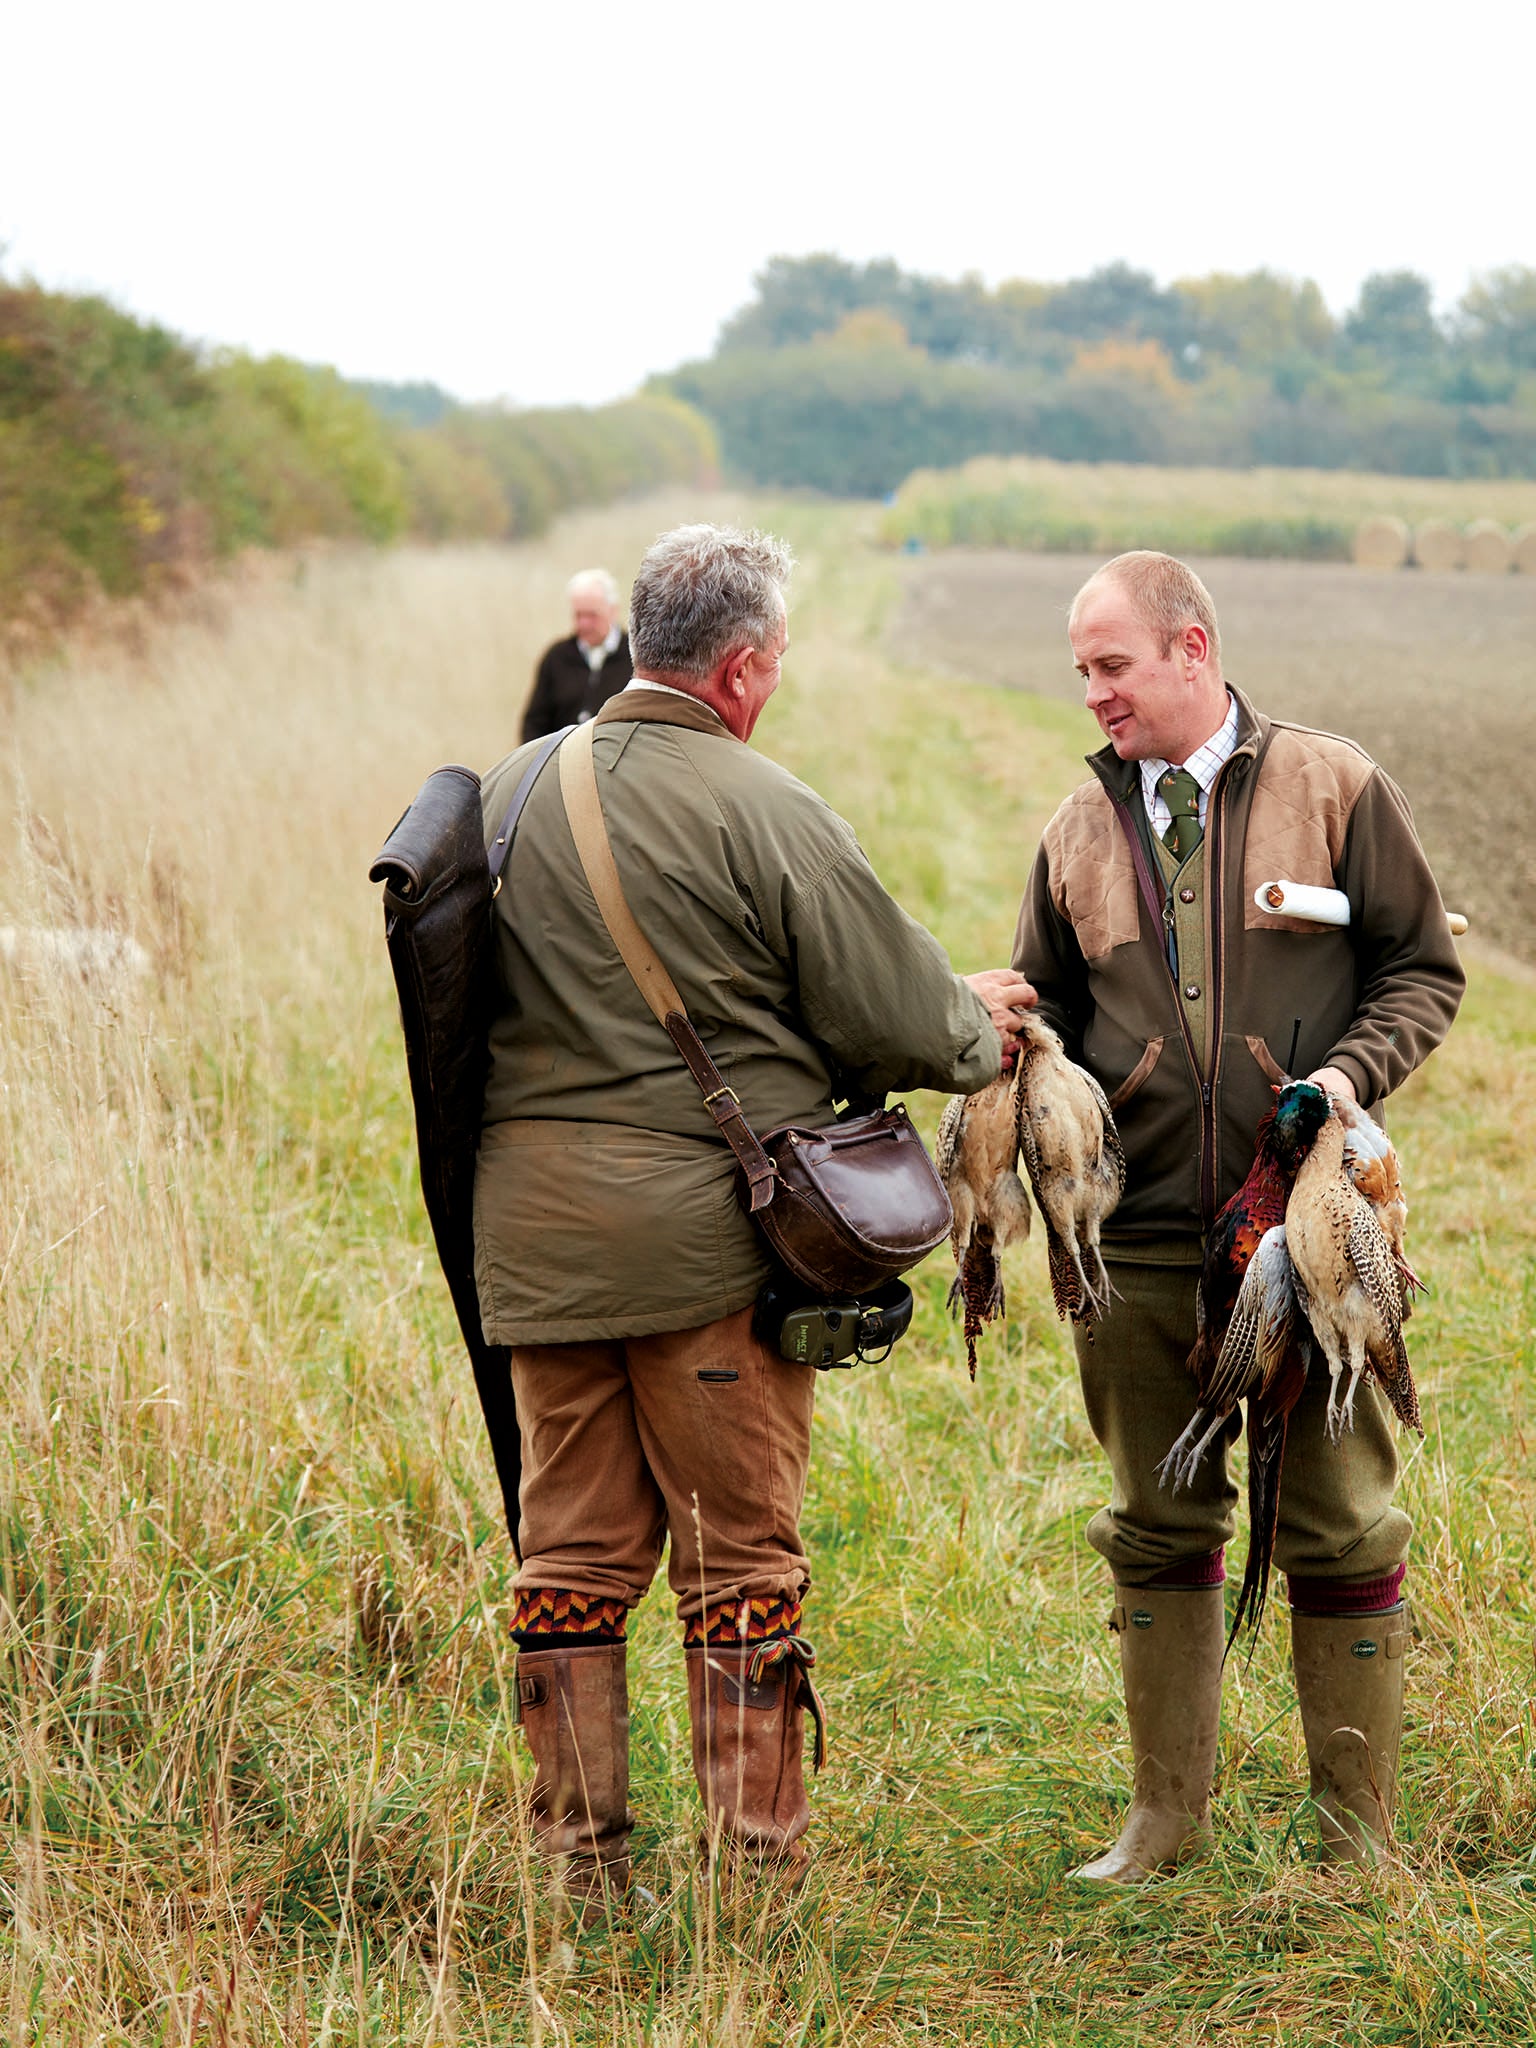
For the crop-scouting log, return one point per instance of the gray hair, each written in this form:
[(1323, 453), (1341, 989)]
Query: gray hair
[(594, 579), (1166, 592), (703, 590)]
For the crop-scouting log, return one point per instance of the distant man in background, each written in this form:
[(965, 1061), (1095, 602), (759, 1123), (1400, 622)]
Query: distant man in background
[(1140, 932), (577, 676)]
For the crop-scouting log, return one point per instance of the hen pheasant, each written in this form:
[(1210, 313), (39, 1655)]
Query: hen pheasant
[(976, 1152), (1076, 1166), (1348, 1281)]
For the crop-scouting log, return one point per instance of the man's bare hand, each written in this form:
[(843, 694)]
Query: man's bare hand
[(1334, 1082), (1007, 996)]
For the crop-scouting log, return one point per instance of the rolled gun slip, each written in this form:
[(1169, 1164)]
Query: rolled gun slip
[(1321, 906)]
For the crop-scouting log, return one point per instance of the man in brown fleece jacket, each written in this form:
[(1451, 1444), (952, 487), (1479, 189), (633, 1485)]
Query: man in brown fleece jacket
[(1140, 932), (611, 1254)]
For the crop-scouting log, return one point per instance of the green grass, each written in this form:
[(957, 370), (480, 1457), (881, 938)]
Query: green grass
[(1106, 507), (259, 1779)]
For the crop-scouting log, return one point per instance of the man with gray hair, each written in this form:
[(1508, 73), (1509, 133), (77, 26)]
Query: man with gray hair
[(612, 1256), (576, 676), (1186, 998)]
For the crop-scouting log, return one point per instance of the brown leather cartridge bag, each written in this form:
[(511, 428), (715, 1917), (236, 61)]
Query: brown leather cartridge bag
[(854, 1204), (845, 1207)]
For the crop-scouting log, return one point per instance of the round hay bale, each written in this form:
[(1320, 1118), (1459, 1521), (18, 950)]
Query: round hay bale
[(1381, 542), (1522, 548), (1487, 546), (1437, 545)]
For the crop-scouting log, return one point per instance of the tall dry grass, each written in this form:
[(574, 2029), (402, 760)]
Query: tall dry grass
[(259, 1779)]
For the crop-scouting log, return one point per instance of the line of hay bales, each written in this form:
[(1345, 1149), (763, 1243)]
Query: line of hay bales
[(1485, 547)]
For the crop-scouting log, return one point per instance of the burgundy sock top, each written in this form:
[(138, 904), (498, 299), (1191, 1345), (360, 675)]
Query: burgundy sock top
[(1377, 1594), (1192, 1574)]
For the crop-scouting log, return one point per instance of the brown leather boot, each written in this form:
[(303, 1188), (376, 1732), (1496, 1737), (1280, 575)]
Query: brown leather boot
[(747, 1706), (574, 1708), (1349, 1684), (1171, 1644)]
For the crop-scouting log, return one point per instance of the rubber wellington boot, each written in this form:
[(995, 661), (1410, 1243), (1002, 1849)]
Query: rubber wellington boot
[(1349, 1684), (1171, 1645), (574, 1708), (747, 1706)]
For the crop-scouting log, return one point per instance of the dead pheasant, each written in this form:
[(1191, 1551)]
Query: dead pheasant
[(1370, 1160), (977, 1152), (1250, 1344), (1254, 1342), (1348, 1279), (1240, 1228), (1076, 1166)]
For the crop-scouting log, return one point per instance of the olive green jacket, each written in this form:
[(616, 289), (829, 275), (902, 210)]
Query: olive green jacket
[(1189, 1061), (604, 1199)]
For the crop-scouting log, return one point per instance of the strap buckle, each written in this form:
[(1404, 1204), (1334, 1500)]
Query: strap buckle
[(715, 1094), (800, 1656)]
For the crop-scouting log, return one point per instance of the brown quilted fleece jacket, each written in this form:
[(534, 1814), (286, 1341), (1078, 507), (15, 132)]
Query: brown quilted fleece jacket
[(1374, 999)]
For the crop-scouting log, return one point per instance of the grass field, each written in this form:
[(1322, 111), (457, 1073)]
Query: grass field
[(1103, 507), (257, 1774)]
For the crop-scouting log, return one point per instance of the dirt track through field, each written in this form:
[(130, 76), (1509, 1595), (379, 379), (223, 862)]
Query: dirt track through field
[(1435, 675)]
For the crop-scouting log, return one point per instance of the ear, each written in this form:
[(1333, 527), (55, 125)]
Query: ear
[(1196, 643), (735, 669)]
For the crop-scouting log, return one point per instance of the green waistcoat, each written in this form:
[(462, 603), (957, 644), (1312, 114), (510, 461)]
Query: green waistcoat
[(1184, 896)]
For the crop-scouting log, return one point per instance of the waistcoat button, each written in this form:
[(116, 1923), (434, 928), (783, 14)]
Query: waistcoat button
[(1186, 895), (1192, 990)]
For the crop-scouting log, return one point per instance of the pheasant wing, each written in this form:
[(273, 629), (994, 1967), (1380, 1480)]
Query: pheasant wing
[(1263, 1318), (1375, 1269), (1066, 1287)]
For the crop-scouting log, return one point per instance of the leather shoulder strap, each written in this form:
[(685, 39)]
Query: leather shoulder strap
[(584, 809), (501, 845)]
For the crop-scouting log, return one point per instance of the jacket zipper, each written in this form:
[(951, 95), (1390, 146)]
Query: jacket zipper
[(1160, 904), (1215, 982), (1161, 908)]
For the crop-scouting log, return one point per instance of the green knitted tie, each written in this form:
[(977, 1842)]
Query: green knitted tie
[(1181, 793)]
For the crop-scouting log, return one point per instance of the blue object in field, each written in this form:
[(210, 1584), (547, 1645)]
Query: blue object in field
[(912, 545)]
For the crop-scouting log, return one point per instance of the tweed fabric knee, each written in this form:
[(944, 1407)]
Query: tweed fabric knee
[(1337, 1518)]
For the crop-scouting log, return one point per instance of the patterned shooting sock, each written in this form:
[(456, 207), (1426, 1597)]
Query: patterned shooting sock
[(755, 1620), (555, 1618)]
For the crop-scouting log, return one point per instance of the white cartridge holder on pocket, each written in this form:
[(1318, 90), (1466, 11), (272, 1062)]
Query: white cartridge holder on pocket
[(1300, 900)]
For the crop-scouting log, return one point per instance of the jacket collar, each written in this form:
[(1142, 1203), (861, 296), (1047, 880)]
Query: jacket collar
[(1120, 778), (662, 707)]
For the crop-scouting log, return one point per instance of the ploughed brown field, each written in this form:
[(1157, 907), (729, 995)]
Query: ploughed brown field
[(1434, 674)]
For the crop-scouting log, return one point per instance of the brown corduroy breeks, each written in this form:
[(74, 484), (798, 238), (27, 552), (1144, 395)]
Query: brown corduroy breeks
[(699, 1436)]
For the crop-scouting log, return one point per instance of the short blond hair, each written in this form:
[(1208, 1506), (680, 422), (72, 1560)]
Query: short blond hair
[(1166, 592)]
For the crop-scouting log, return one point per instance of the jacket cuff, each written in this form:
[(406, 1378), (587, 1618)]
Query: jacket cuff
[(1366, 1091)]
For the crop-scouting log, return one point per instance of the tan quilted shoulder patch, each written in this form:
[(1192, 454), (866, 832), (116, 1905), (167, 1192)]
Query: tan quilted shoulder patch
[(1093, 878), (1308, 787)]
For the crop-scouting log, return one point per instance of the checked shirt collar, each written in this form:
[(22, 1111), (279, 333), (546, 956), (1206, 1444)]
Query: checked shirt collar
[(1204, 764)]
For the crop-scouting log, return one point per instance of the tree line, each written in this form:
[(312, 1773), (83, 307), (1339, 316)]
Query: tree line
[(846, 377), (130, 460)]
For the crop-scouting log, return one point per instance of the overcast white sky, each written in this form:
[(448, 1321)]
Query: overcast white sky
[(549, 204)]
